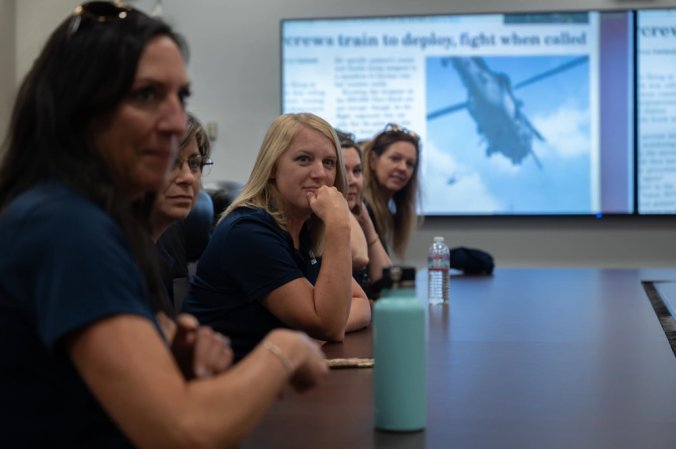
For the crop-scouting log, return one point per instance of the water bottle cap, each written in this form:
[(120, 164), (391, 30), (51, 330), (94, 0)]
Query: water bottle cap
[(397, 276), (438, 239)]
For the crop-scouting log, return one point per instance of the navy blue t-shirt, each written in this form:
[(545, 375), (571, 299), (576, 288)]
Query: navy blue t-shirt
[(248, 256), (64, 264)]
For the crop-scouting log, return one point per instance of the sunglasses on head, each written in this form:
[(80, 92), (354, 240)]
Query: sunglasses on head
[(394, 128), (346, 139), (99, 12)]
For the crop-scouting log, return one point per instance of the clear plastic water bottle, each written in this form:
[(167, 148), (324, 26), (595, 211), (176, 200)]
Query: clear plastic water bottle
[(438, 264), (399, 373)]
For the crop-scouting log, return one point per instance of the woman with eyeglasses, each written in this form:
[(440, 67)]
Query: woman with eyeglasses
[(181, 189), (369, 257), (280, 255), (179, 223), (391, 161), (83, 360)]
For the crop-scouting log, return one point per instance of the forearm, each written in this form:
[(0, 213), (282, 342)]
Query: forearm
[(360, 312), (378, 259), (333, 288), (359, 248), (220, 412), (226, 410), (133, 376)]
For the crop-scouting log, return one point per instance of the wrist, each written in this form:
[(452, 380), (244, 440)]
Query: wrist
[(337, 228), (289, 348), (279, 355)]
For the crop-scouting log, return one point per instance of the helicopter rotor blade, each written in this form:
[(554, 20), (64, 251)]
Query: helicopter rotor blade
[(448, 110), (541, 76), (554, 71)]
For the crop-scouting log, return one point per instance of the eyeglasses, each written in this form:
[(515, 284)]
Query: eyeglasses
[(99, 12), (196, 164), (394, 128)]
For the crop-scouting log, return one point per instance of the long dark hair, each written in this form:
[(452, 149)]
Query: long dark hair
[(85, 69), (395, 228)]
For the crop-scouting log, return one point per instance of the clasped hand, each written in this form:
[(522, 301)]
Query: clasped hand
[(200, 351), (329, 204)]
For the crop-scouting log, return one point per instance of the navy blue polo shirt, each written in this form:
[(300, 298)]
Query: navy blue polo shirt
[(64, 264), (248, 256)]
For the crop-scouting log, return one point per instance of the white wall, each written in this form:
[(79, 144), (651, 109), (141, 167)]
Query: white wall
[(7, 58), (234, 67), (35, 20)]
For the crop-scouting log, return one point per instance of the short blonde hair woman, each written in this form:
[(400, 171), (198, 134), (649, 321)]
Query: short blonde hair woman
[(261, 191), (391, 162), (280, 255)]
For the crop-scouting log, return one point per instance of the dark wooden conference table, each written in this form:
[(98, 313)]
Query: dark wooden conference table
[(526, 358)]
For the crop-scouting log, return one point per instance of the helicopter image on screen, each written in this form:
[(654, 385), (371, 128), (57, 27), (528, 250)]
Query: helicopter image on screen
[(496, 110)]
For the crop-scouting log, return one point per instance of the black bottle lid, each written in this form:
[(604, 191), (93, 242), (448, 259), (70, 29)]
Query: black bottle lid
[(398, 276)]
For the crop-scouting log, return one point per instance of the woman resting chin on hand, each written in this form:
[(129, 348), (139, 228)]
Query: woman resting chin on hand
[(280, 255)]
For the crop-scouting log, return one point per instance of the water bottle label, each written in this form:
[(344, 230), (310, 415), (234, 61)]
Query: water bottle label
[(437, 261)]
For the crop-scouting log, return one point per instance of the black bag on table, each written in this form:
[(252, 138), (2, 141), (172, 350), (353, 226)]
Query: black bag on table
[(471, 261)]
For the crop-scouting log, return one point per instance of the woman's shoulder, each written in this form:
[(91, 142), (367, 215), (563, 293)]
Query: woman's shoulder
[(55, 211), (248, 216), (246, 229), (246, 223), (249, 212), (54, 201)]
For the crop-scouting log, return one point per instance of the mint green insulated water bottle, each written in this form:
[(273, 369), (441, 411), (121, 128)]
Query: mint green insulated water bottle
[(399, 380)]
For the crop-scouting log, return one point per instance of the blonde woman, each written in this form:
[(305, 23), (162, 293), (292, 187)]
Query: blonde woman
[(280, 255), (369, 257), (391, 163)]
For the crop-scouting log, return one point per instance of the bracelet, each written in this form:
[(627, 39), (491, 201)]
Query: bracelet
[(373, 242), (273, 348)]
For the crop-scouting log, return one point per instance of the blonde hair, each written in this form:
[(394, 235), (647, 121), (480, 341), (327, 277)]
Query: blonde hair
[(394, 228), (260, 190)]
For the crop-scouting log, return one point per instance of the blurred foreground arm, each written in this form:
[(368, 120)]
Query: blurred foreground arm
[(132, 373)]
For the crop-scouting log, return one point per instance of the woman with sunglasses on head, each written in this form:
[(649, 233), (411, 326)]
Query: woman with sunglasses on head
[(391, 161), (369, 257), (84, 362), (280, 255)]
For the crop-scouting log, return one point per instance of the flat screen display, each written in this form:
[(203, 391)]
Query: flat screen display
[(656, 143), (519, 114)]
